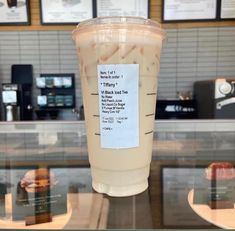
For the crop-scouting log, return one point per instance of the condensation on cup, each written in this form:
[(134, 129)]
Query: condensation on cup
[(119, 61)]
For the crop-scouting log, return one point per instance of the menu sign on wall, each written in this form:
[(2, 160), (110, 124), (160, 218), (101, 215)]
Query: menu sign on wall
[(123, 8), (14, 12), (181, 10), (227, 9), (65, 11)]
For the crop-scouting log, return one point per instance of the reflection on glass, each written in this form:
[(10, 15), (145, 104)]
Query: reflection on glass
[(33, 191), (130, 212), (181, 186), (177, 182)]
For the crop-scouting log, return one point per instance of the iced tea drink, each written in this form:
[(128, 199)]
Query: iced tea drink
[(119, 60)]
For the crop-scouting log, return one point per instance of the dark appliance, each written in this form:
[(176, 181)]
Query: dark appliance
[(215, 98), (176, 109), (23, 76), (57, 93)]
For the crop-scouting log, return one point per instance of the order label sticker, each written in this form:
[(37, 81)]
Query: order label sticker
[(118, 86)]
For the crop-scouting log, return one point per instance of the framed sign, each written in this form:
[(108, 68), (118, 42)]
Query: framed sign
[(227, 9), (65, 11), (176, 184), (13, 12), (193, 10), (37, 194), (139, 8)]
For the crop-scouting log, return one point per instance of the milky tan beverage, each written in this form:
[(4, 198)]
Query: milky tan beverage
[(119, 62)]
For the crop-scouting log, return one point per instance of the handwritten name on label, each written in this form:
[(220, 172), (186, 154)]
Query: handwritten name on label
[(119, 105)]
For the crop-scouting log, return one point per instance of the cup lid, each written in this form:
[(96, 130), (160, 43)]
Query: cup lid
[(121, 21)]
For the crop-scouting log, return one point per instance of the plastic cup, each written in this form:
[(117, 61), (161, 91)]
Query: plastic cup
[(119, 61)]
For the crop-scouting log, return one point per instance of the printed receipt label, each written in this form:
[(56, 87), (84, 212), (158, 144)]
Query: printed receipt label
[(118, 86)]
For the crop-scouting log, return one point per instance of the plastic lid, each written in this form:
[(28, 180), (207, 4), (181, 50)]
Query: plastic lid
[(121, 20)]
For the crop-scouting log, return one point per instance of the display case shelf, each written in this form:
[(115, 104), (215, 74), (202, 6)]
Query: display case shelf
[(182, 150)]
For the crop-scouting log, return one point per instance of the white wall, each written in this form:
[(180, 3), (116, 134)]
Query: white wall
[(188, 55)]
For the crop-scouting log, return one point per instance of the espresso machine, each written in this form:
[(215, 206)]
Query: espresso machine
[(215, 98), (10, 102), (22, 75)]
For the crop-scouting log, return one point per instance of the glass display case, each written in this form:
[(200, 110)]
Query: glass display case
[(45, 179)]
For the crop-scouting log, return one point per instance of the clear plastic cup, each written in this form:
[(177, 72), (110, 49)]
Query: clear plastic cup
[(119, 61)]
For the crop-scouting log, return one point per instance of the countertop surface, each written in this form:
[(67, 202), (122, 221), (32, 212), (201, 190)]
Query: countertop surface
[(182, 151)]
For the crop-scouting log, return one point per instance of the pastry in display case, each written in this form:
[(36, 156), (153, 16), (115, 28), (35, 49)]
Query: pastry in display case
[(221, 176), (50, 198), (220, 171)]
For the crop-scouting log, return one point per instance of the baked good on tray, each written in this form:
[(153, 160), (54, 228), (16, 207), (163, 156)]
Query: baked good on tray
[(39, 180), (220, 171), (221, 177)]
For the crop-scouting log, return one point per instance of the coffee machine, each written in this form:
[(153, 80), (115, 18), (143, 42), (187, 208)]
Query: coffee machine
[(22, 75), (10, 102), (215, 98)]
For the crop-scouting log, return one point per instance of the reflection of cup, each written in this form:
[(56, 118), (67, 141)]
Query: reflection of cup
[(12, 3), (124, 54)]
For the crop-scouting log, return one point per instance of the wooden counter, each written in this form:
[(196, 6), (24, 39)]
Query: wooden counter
[(223, 218)]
